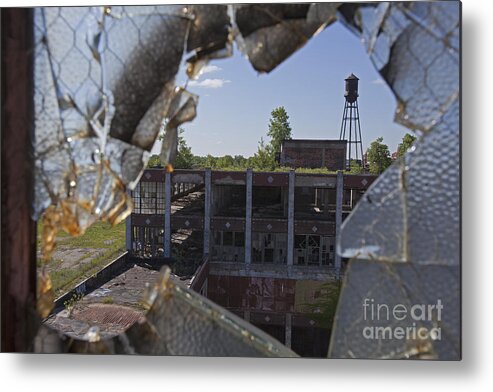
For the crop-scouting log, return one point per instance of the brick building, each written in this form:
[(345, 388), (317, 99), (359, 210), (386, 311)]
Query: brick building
[(311, 153)]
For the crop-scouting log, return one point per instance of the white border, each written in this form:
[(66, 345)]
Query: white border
[(474, 373)]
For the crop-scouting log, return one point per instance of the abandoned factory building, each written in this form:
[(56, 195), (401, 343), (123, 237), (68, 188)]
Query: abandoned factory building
[(260, 244)]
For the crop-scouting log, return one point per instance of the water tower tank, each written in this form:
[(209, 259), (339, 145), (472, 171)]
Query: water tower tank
[(351, 92)]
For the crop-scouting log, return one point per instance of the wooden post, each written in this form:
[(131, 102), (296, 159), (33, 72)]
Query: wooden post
[(18, 246)]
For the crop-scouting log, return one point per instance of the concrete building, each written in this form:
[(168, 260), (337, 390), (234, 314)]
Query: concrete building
[(260, 244)]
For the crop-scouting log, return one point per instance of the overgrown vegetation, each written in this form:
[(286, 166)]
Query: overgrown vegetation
[(264, 159), (107, 300), (323, 310), (101, 244), (279, 129), (71, 303), (407, 142), (378, 156)]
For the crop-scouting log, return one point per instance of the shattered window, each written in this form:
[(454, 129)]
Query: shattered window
[(229, 246), (313, 250), (405, 231), (104, 87), (147, 198), (421, 212), (269, 248)]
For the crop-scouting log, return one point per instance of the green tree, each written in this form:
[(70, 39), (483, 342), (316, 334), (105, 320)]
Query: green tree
[(407, 141), (263, 159), (226, 161), (154, 161), (354, 167), (240, 161), (184, 157), (378, 156), (279, 129), (210, 161), (199, 162)]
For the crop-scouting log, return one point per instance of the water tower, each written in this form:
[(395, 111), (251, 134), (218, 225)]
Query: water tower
[(350, 127)]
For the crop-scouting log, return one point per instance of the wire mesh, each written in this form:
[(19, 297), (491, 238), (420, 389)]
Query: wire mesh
[(411, 215)]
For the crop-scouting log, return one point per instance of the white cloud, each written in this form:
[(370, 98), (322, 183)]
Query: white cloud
[(209, 83), (209, 69), (378, 81)]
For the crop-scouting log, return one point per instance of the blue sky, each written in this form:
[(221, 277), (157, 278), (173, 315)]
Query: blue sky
[(235, 101)]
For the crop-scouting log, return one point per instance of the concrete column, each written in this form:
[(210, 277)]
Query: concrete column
[(128, 233), (153, 245), (288, 330), (207, 211), (326, 202), (248, 216), (291, 187), (167, 214), (285, 202), (339, 197), (247, 315)]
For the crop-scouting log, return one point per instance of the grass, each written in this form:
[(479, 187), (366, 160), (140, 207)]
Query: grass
[(283, 169), (107, 300), (110, 242), (67, 278), (94, 237)]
